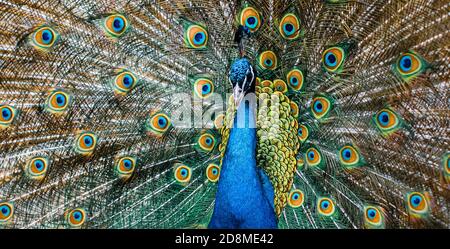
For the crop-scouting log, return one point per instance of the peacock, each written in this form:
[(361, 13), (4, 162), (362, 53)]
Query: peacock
[(224, 114)]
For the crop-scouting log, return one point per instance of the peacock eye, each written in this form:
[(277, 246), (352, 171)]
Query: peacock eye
[(373, 217), (417, 203), (387, 121), (76, 217), (7, 115), (325, 206), (409, 65), (349, 156), (57, 101), (313, 157), (196, 36), (289, 26), (280, 86), (213, 172), (124, 82), (268, 60), (333, 58), (116, 25), (36, 167), (44, 38), (158, 124), (203, 88), (182, 173), (320, 107), (85, 143), (294, 109), (446, 166), (296, 198), (6, 211), (250, 18), (303, 133), (124, 166), (206, 142), (295, 79)]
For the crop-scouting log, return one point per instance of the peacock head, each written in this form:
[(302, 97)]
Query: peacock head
[(242, 77)]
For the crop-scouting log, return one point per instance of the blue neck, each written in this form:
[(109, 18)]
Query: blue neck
[(244, 198)]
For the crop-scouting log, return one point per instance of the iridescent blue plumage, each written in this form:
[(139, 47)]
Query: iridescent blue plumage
[(245, 196)]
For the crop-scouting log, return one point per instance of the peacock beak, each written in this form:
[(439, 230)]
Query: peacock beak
[(238, 95)]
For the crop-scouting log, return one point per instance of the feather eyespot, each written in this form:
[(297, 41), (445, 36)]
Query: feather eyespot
[(158, 124), (268, 60), (124, 82), (446, 167), (213, 172), (196, 36), (303, 133), (447, 163), (85, 143), (7, 115), (124, 166), (294, 109), (58, 101), (296, 198), (418, 204), (333, 58), (182, 173), (76, 217), (320, 107), (44, 37), (280, 86), (387, 121), (295, 79), (203, 88), (251, 18), (409, 65), (313, 157), (325, 206), (6, 211), (116, 25), (36, 167), (349, 156), (373, 217), (289, 27), (206, 142)]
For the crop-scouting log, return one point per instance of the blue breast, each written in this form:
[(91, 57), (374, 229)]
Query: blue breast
[(244, 198)]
